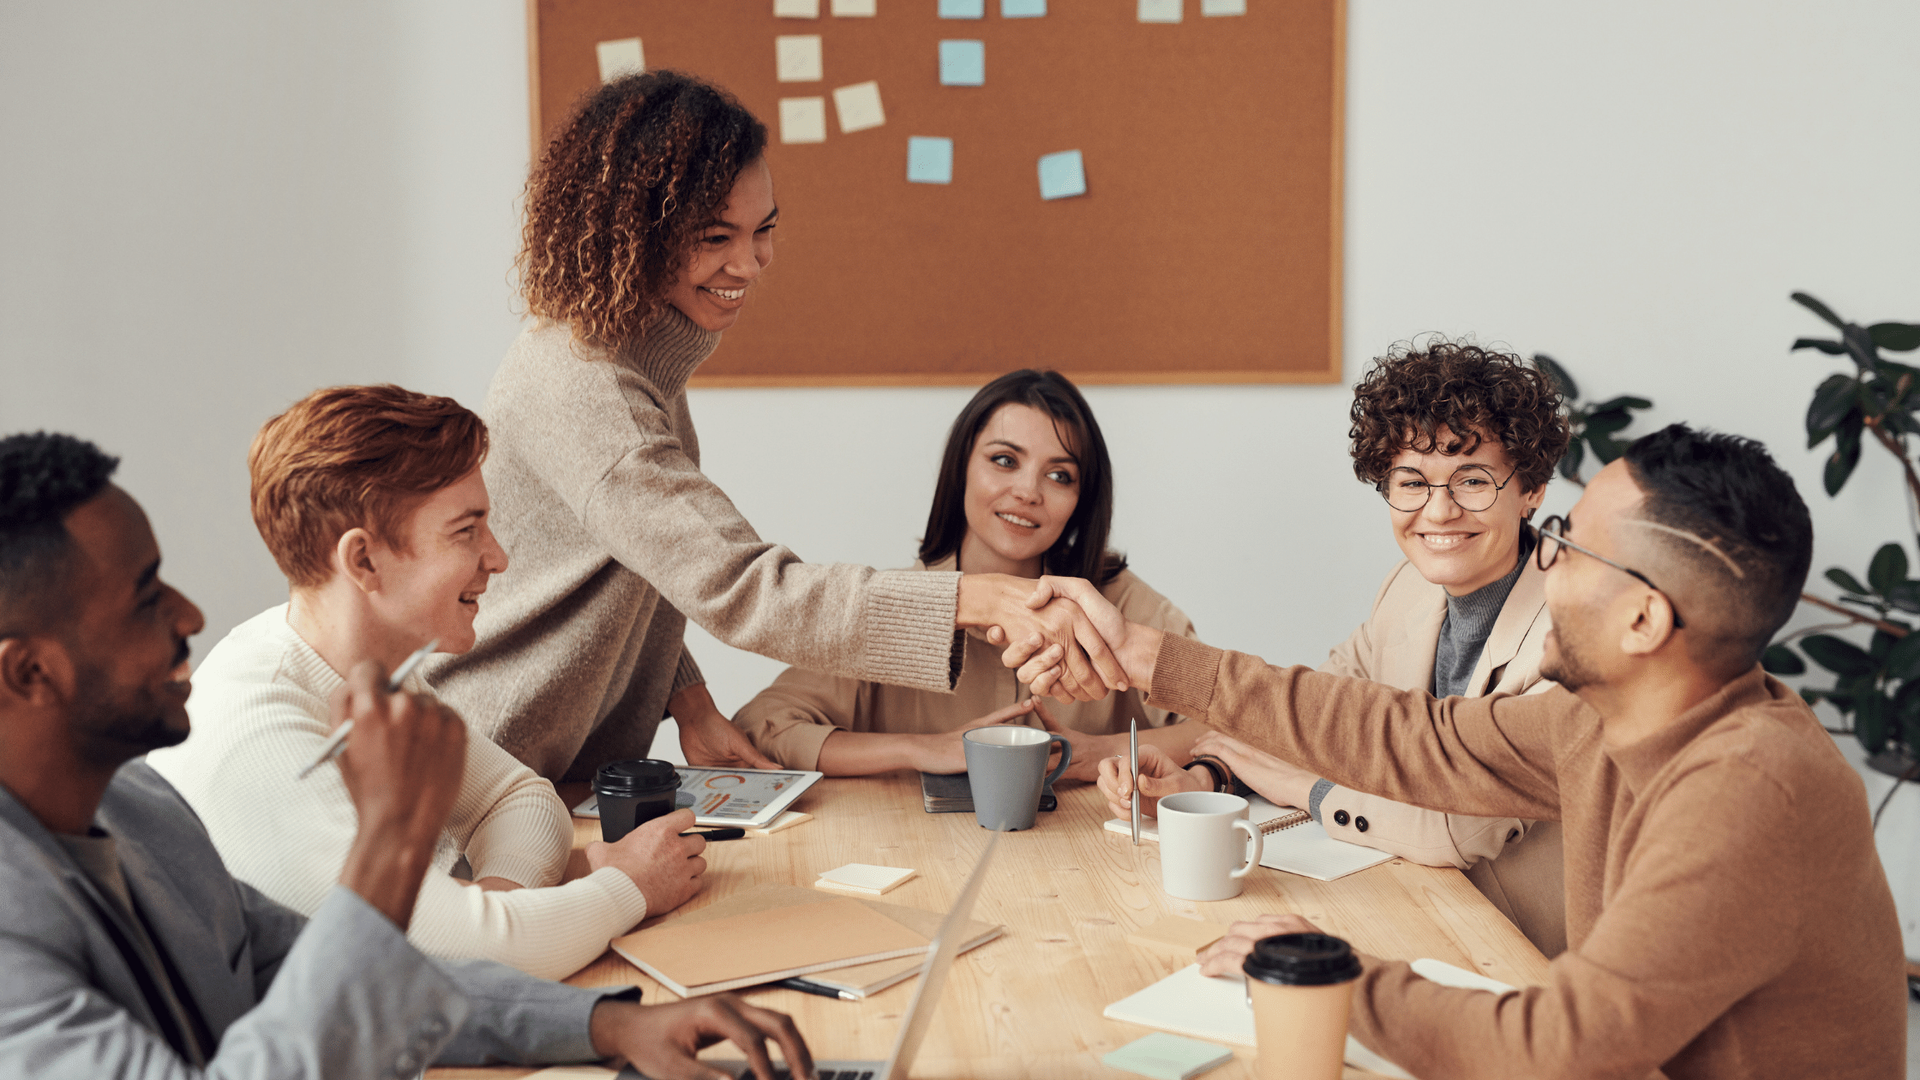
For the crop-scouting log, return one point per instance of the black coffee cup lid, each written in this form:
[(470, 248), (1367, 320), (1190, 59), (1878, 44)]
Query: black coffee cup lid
[(1302, 960), (642, 776)]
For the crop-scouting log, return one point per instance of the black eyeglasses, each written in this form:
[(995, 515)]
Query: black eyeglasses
[(1553, 537), (1472, 487)]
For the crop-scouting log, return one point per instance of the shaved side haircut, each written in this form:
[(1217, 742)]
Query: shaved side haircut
[(1734, 524), (43, 478)]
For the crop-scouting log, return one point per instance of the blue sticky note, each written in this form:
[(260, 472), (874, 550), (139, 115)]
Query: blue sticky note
[(963, 63), (929, 160), (1023, 9), (1062, 175), (963, 9)]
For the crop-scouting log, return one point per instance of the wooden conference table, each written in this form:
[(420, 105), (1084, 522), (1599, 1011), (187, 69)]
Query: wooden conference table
[(1028, 1003)]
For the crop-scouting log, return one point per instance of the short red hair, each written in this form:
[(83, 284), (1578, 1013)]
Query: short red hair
[(352, 457)]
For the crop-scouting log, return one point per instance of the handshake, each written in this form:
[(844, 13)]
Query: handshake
[(1067, 640)]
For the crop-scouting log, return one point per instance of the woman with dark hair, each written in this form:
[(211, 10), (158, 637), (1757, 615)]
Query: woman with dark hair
[(648, 220), (1025, 489)]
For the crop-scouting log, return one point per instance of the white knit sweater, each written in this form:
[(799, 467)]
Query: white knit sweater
[(259, 711)]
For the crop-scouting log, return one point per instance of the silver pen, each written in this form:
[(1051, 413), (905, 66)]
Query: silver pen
[(1133, 763), (337, 742)]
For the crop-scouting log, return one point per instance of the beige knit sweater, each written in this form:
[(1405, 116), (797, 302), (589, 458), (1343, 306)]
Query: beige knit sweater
[(616, 538), (260, 713), (1727, 915)]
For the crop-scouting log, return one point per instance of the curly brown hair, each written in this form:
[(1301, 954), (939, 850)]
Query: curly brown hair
[(1417, 389), (614, 204)]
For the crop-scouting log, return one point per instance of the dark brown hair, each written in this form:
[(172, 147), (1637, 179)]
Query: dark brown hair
[(1475, 393), (354, 457), (615, 202), (1081, 550)]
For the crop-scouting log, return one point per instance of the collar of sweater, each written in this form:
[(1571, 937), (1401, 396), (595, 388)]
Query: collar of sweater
[(1640, 761), (672, 347)]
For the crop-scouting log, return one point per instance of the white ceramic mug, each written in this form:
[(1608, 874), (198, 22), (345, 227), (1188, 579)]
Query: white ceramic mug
[(1200, 853)]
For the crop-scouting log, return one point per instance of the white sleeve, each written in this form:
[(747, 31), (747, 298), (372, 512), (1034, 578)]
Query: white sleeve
[(508, 820)]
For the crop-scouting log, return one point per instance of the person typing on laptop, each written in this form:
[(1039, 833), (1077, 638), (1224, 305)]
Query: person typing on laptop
[(128, 949)]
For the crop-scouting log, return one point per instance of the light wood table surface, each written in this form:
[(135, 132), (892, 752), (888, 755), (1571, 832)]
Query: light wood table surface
[(1028, 1004)]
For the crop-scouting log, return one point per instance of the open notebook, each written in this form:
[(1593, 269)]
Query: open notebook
[(1292, 842)]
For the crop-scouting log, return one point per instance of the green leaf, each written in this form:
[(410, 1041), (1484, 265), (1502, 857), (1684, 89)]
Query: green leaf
[(1605, 447), (1846, 455), (1606, 423), (1781, 660), (1570, 461), (1838, 655), (1561, 380), (1819, 309), (1903, 660), (1905, 595), (1831, 348), (1870, 721), (1846, 581), (1900, 337), (1833, 399), (1889, 568), (1625, 401)]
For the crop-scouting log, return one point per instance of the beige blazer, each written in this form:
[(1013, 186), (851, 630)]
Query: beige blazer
[(1516, 864), (789, 720)]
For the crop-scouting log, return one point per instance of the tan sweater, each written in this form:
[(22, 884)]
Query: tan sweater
[(1727, 915), (791, 719), (616, 538)]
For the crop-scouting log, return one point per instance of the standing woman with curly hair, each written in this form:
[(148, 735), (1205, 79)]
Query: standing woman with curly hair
[(648, 220), (1460, 442)]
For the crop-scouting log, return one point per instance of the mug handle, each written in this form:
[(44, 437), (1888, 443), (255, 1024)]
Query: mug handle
[(1066, 759), (1255, 844)]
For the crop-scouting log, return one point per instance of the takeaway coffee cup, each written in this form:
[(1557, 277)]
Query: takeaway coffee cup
[(632, 793), (1007, 770), (1301, 988), (1203, 853)]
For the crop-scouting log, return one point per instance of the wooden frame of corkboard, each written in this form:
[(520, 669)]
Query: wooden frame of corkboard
[(1206, 250)]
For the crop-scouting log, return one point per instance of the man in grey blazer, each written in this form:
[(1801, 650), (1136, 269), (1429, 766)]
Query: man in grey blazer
[(126, 947)]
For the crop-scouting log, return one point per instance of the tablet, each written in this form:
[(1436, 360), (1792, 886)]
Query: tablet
[(748, 798)]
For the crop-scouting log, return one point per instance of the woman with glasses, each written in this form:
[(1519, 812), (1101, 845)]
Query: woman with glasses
[(1460, 442)]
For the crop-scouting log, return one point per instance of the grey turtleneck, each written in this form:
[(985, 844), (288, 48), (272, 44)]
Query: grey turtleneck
[(1464, 632)]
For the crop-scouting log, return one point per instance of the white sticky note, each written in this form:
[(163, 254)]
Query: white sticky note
[(1223, 7), (859, 107), (621, 57), (803, 120), (1160, 11), (865, 877), (796, 9), (855, 9), (796, 57)]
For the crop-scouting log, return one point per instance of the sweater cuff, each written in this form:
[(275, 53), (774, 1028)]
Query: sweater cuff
[(798, 747), (911, 639), (1183, 676), (625, 903), (686, 674)]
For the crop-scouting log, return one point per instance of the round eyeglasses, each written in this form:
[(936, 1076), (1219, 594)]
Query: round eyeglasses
[(1553, 537), (1472, 487)]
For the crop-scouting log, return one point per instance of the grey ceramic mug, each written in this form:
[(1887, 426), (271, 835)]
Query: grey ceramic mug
[(1007, 770)]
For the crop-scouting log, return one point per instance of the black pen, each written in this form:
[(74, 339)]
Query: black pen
[(713, 835), (814, 988)]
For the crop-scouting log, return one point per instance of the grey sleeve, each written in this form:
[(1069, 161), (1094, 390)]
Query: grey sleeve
[(514, 1017)]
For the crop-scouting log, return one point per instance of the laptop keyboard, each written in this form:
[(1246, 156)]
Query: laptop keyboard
[(780, 1073)]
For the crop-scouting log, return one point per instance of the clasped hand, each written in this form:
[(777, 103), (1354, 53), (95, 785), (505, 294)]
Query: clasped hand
[(1075, 646)]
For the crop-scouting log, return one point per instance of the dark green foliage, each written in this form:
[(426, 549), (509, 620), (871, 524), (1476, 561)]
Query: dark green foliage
[(1596, 426)]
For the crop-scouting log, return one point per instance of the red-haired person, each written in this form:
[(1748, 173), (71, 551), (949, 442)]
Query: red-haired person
[(1460, 442), (371, 500), (649, 219)]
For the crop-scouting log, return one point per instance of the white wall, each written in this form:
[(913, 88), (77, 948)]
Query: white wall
[(210, 207)]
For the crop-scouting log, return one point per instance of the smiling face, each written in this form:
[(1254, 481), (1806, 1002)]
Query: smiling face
[(729, 253), (1022, 487), (432, 588), (128, 637), (1591, 603), (1462, 550)]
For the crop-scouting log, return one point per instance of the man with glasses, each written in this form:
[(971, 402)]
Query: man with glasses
[(1727, 914)]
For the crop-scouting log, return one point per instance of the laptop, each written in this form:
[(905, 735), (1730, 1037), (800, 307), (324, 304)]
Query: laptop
[(919, 1018)]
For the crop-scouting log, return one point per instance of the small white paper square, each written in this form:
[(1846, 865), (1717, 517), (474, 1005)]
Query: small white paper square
[(797, 57), (1223, 7), (855, 9), (866, 876), (803, 120), (1160, 11), (621, 57), (796, 9), (859, 107)]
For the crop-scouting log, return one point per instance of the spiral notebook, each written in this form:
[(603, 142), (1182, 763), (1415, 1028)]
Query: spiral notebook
[(1292, 841)]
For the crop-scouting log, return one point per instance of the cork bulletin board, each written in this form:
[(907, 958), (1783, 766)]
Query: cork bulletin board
[(1205, 249)]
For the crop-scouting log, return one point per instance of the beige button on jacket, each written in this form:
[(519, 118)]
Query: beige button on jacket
[(1516, 864)]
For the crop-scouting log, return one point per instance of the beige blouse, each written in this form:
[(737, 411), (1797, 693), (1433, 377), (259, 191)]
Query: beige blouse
[(790, 720)]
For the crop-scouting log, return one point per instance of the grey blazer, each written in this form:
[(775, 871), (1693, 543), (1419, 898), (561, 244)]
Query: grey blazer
[(339, 995)]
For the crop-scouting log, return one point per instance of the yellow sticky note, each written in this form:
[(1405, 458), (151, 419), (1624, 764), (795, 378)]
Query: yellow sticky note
[(803, 120), (859, 107), (797, 57)]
